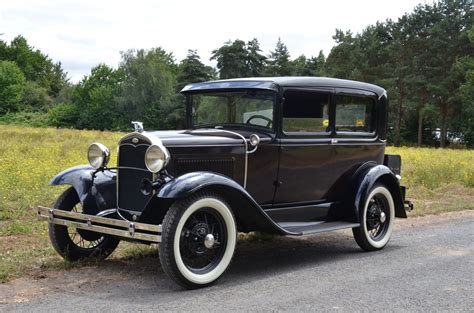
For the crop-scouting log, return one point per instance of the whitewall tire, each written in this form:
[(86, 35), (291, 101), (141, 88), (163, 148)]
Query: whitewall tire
[(376, 219), (199, 236)]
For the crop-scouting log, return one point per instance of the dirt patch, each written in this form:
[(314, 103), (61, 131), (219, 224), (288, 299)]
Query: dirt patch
[(12, 242), (449, 198), (415, 221), (25, 288), (21, 290)]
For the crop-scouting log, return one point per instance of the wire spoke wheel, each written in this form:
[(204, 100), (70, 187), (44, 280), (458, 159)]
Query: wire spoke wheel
[(203, 240), (83, 238), (378, 217)]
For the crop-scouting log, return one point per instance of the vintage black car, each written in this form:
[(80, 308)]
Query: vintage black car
[(287, 155)]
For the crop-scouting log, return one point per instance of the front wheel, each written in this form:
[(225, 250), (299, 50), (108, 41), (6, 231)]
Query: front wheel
[(75, 244), (198, 240), (376, 219)]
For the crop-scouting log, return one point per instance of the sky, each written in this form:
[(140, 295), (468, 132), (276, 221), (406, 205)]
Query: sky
[(81, 34)]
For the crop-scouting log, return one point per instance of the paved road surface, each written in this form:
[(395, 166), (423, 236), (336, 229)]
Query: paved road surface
[(427, 266)]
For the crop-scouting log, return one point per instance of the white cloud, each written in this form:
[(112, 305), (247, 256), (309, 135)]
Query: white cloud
[(83, 33)]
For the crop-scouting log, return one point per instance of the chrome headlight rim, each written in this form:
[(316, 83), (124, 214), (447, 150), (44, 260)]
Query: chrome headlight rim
[(156, 158), (98, 155)]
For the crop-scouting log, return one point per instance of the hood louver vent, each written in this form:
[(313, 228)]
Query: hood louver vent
[(221, 166)]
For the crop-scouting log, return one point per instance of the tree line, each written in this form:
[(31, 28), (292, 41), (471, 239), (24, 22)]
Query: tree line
[(425, 60)]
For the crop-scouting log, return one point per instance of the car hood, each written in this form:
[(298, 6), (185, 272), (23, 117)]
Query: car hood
[(201, 137)]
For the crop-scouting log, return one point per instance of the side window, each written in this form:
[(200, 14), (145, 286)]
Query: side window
[(306, 111), (354, 114)]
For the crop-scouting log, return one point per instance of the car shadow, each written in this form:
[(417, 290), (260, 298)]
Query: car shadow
[(287, 254), (253, 260)]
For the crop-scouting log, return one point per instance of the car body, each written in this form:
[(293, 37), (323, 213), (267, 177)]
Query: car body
[(285, 155)]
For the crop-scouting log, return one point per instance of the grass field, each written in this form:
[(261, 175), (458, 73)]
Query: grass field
[(438, 181)]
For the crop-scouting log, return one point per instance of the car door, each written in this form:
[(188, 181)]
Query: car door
[(359, 116), (306, 169)]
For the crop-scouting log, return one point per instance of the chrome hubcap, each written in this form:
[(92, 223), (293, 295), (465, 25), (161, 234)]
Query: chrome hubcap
[(383, 217), (209, 241)]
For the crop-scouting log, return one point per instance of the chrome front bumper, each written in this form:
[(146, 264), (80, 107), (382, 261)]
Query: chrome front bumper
[(125, 229)]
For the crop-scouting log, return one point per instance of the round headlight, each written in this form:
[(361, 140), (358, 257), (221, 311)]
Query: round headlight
[(156, 158), (98, 155)]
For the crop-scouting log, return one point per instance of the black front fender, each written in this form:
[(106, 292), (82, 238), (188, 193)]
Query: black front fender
[(95, 194), (249, 214), (371, 174), (187, 184)]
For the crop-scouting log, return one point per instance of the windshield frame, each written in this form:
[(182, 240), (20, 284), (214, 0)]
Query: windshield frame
[(189, 109)]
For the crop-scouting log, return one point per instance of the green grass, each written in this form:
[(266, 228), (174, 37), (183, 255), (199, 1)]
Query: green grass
[(438, 181)]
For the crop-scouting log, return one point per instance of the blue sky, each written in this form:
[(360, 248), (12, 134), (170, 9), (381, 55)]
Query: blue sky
[(82, 34)]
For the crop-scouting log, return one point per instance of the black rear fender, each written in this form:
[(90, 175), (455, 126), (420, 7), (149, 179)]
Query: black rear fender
[(372, 174), (249, 215), (96, 194)]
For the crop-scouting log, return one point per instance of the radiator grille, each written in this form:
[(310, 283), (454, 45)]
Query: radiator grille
[(129, 195)]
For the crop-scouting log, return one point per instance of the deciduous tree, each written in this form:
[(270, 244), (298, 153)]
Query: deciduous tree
[(95, 97), (148, 89), (12, 84)]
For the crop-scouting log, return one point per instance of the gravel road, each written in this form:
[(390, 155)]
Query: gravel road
[(427, 266)]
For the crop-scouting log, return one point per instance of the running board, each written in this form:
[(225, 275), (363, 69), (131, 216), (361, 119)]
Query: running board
[(307, 228)]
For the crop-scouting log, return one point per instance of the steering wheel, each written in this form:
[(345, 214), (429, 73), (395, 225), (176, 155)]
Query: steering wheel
[(269, 120)]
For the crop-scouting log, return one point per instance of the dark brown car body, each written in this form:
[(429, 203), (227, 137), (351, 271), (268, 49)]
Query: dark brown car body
[(290, 178)]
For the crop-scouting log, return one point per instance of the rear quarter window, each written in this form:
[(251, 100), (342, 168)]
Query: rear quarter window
[(355, 114)]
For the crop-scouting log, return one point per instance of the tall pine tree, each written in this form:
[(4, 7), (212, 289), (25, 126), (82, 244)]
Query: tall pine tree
[(192, 70), (279, 63)]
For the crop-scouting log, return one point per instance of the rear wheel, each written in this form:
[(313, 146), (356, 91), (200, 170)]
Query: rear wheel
[(198, 240), (376, 219), (74, 244)]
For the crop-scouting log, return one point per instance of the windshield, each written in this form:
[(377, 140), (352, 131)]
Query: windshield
[(250, 107)]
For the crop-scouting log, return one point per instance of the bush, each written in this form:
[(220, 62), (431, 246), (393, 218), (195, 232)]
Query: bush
[(63, 115), (34, 119), (36, 96)]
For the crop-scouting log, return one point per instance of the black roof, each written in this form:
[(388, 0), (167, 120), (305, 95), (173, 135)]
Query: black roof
[(273, 83)]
